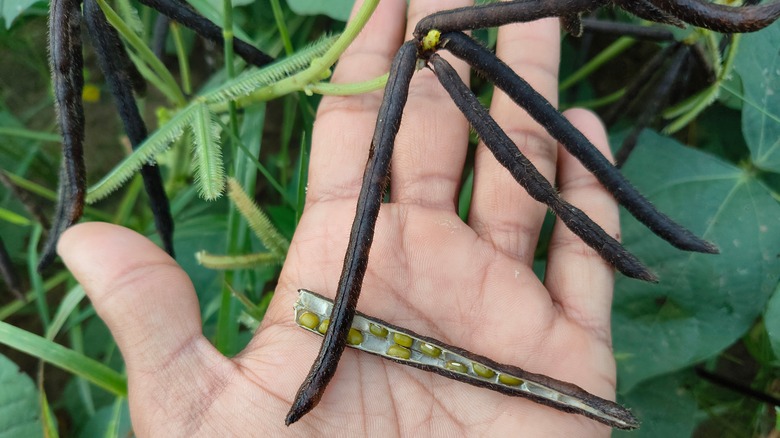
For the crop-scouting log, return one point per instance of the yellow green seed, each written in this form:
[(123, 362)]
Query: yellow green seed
[(398, 351), (309, 320), (431, 40), (355, 337), (456, 366), (323, 326), (403, 340), (377, 330), (482, 370), (509, 380), (430, 350)]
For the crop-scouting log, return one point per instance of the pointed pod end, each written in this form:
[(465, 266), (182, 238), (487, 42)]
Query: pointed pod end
[(646, 275), (638, 271), (307, 398), (297, 411), (707, 248)]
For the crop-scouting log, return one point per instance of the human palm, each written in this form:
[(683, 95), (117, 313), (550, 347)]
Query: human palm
[(469, 285)]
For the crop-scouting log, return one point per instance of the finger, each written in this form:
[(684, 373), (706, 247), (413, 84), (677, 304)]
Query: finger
[(344, 124), (501, 211), (432, 143), (144, 297), (577, 277)]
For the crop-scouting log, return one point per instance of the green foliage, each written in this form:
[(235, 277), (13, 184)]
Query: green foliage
[(11, 9), (665, 405), (772, 320), (724, 188), (18, 403), (336, 9), (758, 64), (664, 327)]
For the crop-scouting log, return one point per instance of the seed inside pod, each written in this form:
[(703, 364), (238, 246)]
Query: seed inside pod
[(398, 351), (402, 340), (377, 330), (482, 370), (355, 337), (456, 366), (509, 380), (309, 320), (430, 350), (323, 326)]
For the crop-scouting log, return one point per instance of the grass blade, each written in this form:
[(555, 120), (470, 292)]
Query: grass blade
[(64, 358)]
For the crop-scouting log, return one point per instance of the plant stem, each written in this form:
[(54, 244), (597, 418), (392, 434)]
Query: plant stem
[(330, 89), (181, 54), (318, 66), (36, 281), (227, 321), (613, 50), (282, 26)]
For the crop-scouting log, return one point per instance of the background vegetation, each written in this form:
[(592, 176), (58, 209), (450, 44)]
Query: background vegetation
[(719, 175)]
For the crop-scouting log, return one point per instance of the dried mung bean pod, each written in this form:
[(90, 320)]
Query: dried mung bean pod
[(456, 363)]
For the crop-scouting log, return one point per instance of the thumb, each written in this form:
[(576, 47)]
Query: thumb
[(144, 297)]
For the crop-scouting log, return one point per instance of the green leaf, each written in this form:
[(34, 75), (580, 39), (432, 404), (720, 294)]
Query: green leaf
[(758, 64), (67, 305), (64, 358), (11, 217), (18, 403), (209, 170), (14, 8), (665, 406), (336, 9), (703, 303), (772, 321)]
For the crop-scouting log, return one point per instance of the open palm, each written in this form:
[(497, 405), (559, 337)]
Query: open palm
[(470, 285)]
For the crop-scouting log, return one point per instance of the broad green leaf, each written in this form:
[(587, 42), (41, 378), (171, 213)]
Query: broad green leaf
[(758, 64), (336, 9), (14, 8), (665, 406), (18, 403), (703, 303), (212, 9), (772, 321)]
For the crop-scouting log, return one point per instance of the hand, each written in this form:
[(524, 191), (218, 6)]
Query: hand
[(470, 285)]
